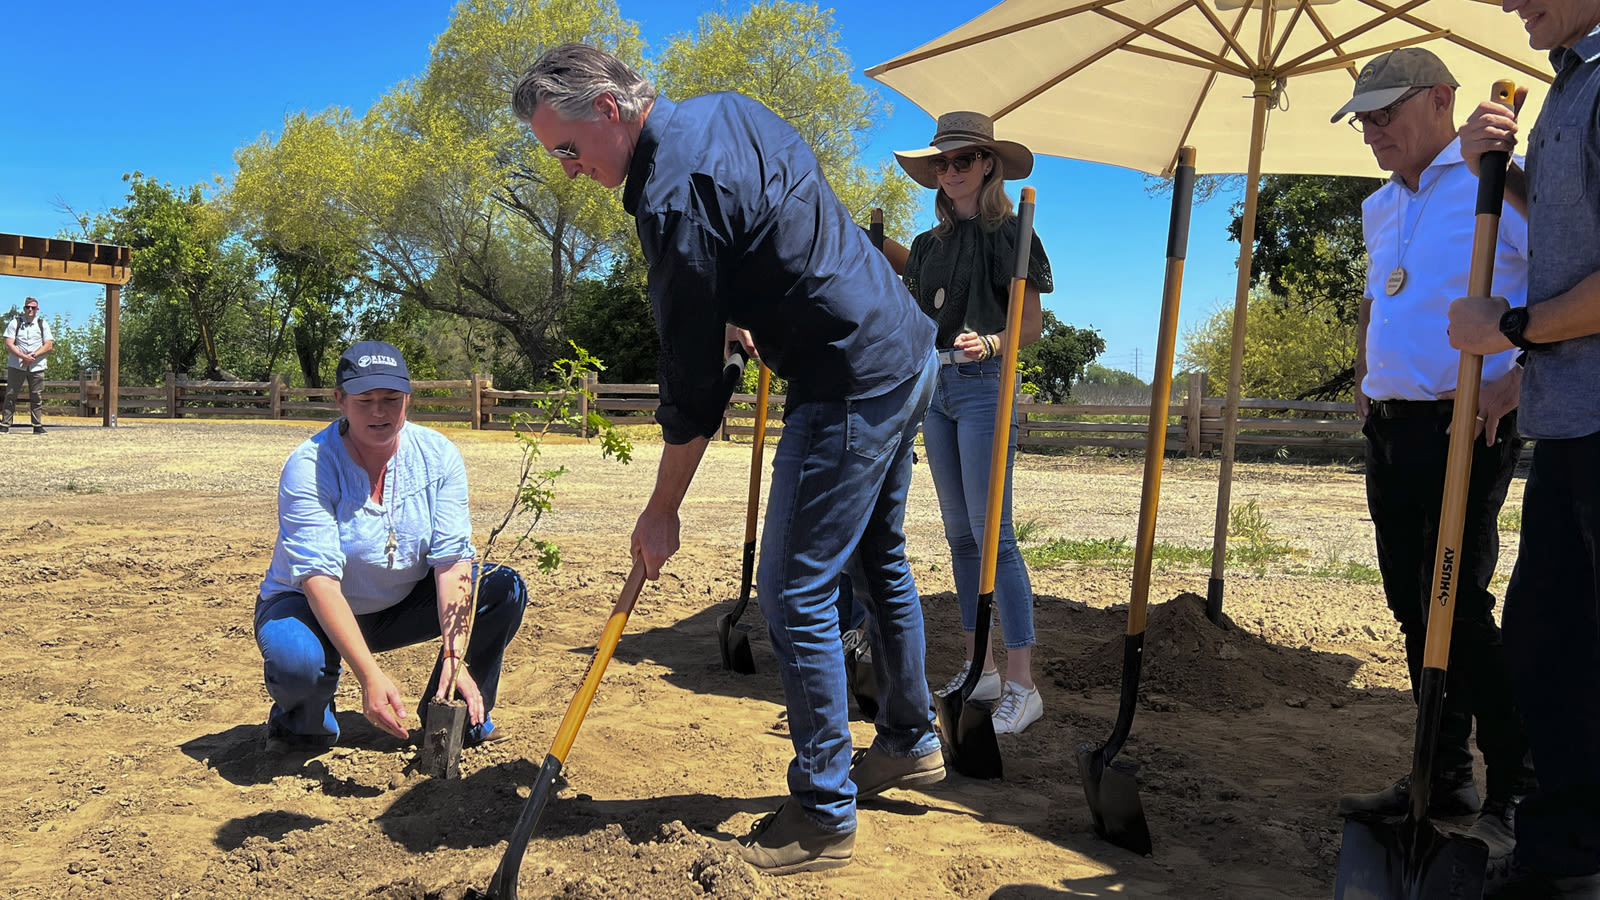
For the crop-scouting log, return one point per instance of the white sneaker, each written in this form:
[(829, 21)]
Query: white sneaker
[(988, 688), (1019, 708)]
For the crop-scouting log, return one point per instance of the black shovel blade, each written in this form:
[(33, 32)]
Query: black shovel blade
[(503, 885), (1401, 859), (1111, 787), (863, 681), (733, 638), (970, 745)]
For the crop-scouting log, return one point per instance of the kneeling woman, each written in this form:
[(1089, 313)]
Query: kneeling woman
[(374, 552)]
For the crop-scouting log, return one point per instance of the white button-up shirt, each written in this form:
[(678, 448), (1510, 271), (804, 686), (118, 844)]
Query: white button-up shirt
[(1429, 232)]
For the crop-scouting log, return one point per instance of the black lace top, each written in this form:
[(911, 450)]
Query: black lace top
[(962, 281)]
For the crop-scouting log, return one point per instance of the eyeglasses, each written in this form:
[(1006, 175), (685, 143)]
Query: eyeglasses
[(1381, 117), (962, 163), (30, 307), (565, 151)]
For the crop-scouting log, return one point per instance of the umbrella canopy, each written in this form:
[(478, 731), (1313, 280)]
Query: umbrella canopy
[(1249, 83), (1128, 82)]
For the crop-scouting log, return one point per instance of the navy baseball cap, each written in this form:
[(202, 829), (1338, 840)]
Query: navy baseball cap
[(370, 366)]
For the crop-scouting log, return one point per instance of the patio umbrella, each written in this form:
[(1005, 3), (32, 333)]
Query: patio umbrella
[(1249, 83)]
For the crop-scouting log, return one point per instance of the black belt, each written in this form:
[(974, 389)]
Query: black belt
[(1413, 409)]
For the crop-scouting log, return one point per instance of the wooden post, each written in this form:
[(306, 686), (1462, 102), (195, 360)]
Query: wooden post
[(489, 402), (1191, 419), (275, 397), (583, 403), (171, 382), (108, 394), (83, 395), (475, 385)]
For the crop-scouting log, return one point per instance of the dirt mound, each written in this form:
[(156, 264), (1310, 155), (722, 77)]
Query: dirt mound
[(1189, 660)]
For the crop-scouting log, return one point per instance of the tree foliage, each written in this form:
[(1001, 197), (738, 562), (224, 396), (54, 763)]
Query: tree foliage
[(191, 275), (1288, 352), (1309, 252), (1059, 357)]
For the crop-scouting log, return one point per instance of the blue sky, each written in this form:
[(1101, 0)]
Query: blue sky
[(179, 85)]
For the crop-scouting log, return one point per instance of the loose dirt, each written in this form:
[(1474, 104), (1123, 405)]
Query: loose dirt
[(130, 689)]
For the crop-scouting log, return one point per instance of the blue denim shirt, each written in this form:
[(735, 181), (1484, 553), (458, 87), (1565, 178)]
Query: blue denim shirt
[(1564, 239), (329, 525), (739, 225)]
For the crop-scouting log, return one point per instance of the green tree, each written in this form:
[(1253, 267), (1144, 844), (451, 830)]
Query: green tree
[(191, 276), (1309, 251), (1059, 357), (613, 316), (1095, 373), (787, 55), (1288, 353)]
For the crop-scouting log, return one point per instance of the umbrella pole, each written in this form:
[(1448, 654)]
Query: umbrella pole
[(1241, 303)]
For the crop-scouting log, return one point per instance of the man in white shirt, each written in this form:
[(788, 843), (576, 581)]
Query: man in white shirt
[(1419, 231), (27, 341)]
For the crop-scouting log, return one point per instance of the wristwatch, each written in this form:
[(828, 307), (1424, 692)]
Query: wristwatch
[(1513, 322)]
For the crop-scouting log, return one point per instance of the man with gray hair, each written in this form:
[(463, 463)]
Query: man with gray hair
[(1419, 231), (741, 231)]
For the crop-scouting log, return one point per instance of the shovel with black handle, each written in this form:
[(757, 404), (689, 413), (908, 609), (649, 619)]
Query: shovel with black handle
[(733, 637), (1410, 857), (1110, 785), (968, 730)]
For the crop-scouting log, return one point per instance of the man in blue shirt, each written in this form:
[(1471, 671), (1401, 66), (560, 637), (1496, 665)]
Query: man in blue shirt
[(1552, 613), (741, 231)]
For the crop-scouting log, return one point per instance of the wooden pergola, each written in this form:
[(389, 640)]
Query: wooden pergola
[(64, 260)]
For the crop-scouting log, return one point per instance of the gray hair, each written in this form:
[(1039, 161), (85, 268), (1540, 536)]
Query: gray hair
[(571, 76)]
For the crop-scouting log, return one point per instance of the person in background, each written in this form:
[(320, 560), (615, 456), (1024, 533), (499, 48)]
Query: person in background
[(27, 341), (960, 272), (1419, 233), (374, 552)]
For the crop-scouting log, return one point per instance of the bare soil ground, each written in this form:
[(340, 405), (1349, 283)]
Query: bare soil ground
[(132, 705)]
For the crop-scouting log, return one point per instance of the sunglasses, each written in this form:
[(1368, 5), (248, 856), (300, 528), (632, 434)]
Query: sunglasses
[(565, 151), (30, 307), (962, 163), (1381, 118)]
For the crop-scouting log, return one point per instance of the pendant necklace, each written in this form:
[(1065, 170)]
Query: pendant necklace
[(393, 544), (1397, 278)]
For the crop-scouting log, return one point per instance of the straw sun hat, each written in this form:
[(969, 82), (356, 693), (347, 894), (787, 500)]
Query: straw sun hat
[(964, 129)]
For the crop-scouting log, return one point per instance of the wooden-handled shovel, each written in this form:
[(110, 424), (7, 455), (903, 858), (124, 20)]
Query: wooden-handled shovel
[(733, 637), (1411, 857), (1110, 785), (968, 730), (503, 884)]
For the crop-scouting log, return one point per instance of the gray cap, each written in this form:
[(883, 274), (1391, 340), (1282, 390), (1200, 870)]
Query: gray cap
[(1388, 77)]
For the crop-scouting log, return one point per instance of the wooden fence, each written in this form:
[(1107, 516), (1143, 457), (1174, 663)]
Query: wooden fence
[(1194, 424)]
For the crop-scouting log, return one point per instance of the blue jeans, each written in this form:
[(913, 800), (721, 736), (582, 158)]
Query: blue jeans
[(302, 667), (959, 438), (840, 477)]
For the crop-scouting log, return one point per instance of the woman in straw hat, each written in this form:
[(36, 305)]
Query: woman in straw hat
[(960, 273)]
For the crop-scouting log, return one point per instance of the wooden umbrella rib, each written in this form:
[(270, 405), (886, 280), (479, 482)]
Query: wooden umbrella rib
[(1103, 52), (1327, 35), (1283, 36), (1222, 30), (1194, 112), (964, 43), (1541, 74), (1203, 65), (1355, 32), (1151, 30), (1269, 14), (1344, 60)]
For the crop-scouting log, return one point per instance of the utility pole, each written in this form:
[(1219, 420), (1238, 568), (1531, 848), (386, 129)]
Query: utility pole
[(1136, 368)]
